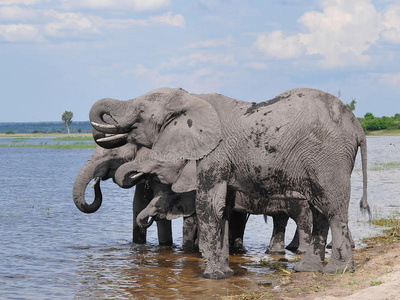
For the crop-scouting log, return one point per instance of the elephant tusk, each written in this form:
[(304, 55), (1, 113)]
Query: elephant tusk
[(112, 138), (104, 126), (95, 182), (136, 176), (147, 225)]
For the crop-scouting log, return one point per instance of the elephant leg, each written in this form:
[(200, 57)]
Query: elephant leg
[(277, 243), (237, 225), (143, 195), (315, 254), (303, 218), (213, 228), (164, 232), (353, 245), (189, 232), (294, 244), (342, 255)]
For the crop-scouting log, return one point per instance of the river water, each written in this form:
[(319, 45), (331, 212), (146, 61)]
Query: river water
[(49, 249)]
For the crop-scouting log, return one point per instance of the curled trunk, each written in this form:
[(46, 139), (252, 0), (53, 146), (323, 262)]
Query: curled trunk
[(81, 182)]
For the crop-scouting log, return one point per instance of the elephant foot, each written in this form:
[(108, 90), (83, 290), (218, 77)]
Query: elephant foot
[(213, 275), (335, 266), (300, 251), (308, 266), (275, 251), (329, 246)]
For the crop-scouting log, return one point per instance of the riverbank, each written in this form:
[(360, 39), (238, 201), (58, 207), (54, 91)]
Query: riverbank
[(376, 275), (34, 135), (49, 141)]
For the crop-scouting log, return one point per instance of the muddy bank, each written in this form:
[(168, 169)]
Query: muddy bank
[(377, 276)]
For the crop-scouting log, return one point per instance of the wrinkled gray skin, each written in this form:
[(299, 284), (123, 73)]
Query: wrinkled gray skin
[(302, 141), (102, 165), (169, 205)]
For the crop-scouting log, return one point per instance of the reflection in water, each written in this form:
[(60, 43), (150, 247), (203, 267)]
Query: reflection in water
[(152, 272), (51, 250)]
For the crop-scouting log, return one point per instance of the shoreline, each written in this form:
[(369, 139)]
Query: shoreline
[(376, 275)]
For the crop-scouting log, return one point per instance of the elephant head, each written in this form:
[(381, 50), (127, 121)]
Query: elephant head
[(167, 205), (175, 125), (180, 174), (101, 165)]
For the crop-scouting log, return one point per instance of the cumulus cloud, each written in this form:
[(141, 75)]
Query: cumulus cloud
[(341, 33), (276, 45), (16, 13), (24, 2), (136, 5), (33, 24), (69, 24), (19, 33), (169, 19), (391, 23)]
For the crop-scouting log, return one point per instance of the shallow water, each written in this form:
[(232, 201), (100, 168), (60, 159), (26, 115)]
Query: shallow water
[(50, 249)]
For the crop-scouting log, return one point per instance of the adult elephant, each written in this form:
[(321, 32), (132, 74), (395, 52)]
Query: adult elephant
[(167, 204), (102, 165), (302, 141)]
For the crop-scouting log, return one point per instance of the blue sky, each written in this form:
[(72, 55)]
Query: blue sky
[(58, 55)]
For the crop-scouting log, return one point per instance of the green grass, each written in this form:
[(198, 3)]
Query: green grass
[(389, 235), (76, 145), (385, 166), (75, 138)]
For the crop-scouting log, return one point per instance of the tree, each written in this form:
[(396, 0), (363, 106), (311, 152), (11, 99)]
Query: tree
[(352, 104), (67, 118)]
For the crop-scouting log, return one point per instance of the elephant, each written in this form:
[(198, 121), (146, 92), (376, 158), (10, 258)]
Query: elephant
[(102, 165), (303, 141), (169, 205)]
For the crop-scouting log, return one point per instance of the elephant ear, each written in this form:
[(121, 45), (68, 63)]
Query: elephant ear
[(191, 130), (187, 180)]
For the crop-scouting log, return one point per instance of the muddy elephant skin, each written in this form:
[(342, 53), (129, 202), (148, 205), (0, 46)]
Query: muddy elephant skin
[(302, 141)]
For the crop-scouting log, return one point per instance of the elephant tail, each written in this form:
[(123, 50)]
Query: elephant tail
[(364, 206)]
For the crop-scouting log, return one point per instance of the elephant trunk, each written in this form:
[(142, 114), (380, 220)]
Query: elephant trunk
[(81, 182), (126, 176)]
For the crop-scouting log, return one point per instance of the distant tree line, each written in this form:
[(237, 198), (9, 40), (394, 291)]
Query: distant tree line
[(371, 123), (45, 127)]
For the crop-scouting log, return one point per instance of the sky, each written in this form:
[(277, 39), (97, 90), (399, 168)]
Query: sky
[(58, 55)]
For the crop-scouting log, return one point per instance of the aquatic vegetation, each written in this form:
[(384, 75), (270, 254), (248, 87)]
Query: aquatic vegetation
[(76, 145), (390, 235), (381, 166), (75, 138)]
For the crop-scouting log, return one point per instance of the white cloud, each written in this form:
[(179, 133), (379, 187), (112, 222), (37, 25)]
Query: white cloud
[(16, 13), (276, 45), (343, 32), (69, 24), (340, 34), (169, 19), (19, 33), (24, 2), (214, 43), (391, 22), (136, 5)]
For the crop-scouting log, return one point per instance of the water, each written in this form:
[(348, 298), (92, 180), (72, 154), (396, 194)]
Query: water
[(50, 250)]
